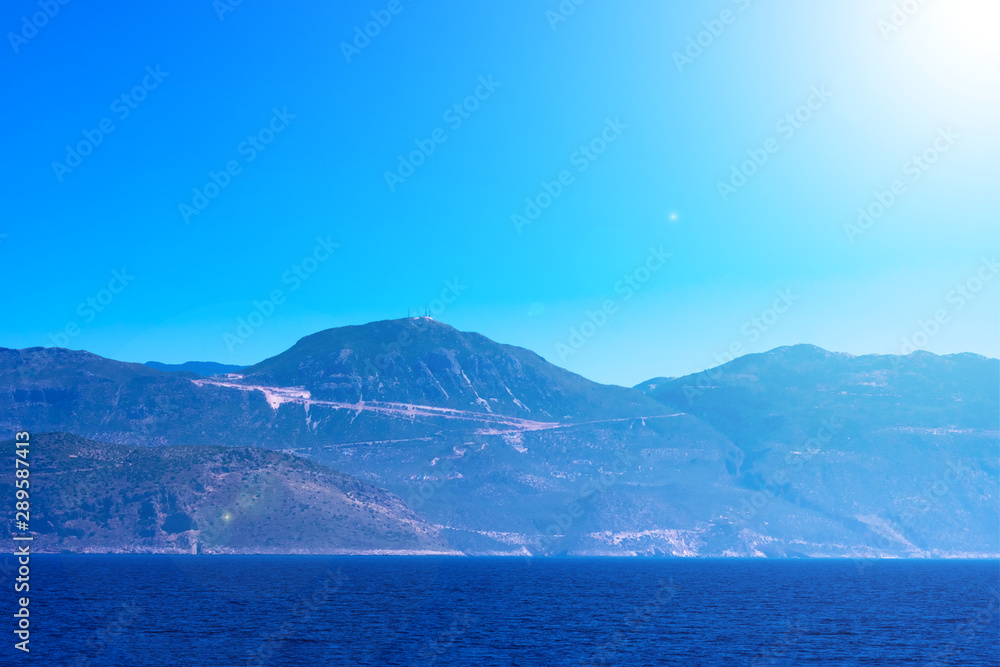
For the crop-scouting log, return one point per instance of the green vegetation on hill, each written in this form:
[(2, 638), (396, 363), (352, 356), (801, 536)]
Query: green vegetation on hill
[(91, 496)]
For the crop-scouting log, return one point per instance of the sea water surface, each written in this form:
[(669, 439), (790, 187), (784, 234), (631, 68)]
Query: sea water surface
[(316, 610)]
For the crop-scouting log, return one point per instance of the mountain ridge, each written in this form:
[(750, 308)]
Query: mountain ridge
[(698, 467)]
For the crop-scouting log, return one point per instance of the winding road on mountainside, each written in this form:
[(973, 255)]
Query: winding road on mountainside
[(276, 396)]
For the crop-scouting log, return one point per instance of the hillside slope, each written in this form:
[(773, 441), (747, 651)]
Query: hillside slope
[(93, 497), (902, 451)]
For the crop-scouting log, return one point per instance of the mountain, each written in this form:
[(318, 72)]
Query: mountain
[(650, 386), (900, 450), (403, 433), (204, 368), (797, 452), (57, 390), (923, 388), (93, 497), (331, 387), (425, 362)]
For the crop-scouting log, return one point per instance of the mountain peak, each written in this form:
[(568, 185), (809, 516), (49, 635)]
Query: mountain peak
[(421, 361), (802, 348)]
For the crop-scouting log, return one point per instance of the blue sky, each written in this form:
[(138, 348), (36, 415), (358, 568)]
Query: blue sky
[(611, 120)]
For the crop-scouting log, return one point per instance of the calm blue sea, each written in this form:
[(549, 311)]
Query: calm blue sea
[(250, 610)]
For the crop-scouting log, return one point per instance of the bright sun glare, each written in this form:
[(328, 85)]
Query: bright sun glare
[(957, 42)]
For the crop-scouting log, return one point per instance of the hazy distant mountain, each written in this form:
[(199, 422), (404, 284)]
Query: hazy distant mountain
[(900, 450), (510, 454), (650, 386), (204, 368), (922, 389), (90, 496)]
